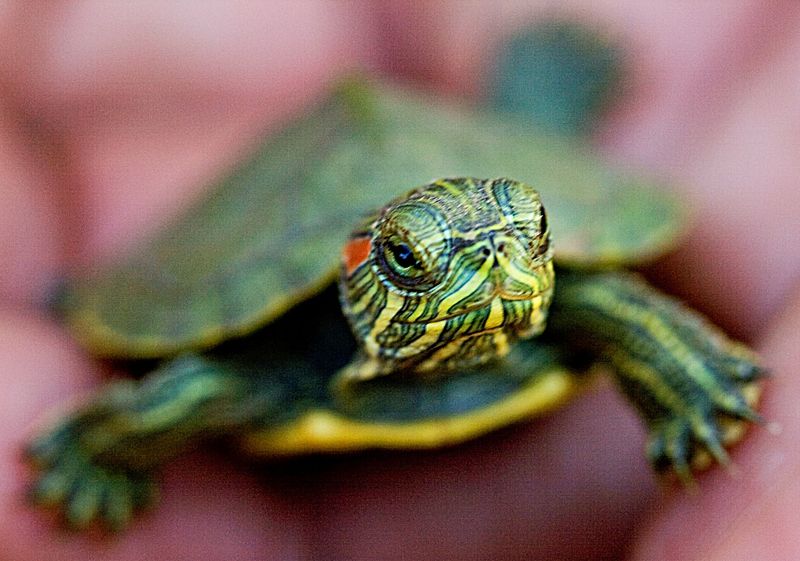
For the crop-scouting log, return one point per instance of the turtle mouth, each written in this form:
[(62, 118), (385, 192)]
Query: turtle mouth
[(483, 304)]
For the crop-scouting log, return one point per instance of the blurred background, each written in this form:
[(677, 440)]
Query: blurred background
[(115, 115)]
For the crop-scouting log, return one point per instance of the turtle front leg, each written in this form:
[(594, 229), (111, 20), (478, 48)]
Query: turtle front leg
[(686, 377), (97, 462)]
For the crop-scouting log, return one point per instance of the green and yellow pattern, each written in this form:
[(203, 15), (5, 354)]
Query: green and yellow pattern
[(455, 273)]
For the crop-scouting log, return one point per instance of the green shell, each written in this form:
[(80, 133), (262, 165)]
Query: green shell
[(270, 234)]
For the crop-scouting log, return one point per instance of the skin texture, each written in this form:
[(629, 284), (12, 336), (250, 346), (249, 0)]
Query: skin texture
[(109, 118)]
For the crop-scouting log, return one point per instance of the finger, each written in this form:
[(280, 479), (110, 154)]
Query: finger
[(563, 487), (30, 231), (150, 100), (742, 256)]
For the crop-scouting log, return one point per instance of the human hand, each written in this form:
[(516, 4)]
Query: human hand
[(111, 119)]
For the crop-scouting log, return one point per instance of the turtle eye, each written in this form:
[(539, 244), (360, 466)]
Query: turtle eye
[(406, 266), (403, 255), (544, 244), (411, 247)]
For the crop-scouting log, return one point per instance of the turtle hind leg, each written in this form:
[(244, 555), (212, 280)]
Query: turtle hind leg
[(690, 383), (96, 463)]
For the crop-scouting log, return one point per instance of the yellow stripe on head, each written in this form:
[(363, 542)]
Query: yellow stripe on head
[(445, 264)]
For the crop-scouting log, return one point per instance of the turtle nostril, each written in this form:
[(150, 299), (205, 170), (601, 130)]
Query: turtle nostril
[(486, 252), (501, 247)]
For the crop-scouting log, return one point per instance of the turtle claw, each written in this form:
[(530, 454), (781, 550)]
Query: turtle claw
[(83, 492), (669, 446), (739, 362), (691, 436), (686, 443), (92, 494)]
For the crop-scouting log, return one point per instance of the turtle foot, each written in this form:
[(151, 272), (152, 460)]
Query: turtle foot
[(695, 388), (698, 437), (82, 491)]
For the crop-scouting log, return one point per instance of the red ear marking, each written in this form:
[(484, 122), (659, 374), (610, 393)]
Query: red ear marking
[(355, 252)]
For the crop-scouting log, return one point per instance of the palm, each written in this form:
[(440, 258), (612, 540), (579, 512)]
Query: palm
[(570, 486)]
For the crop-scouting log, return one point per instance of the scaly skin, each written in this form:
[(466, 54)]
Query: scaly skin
[(682, 373), (97, 463)]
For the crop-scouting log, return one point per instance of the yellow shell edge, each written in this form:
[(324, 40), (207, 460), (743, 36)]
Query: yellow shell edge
[(325, 431)]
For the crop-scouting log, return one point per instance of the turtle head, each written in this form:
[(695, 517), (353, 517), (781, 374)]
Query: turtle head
[(449, 275)]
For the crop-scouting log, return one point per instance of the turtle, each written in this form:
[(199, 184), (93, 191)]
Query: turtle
[(331, 297)]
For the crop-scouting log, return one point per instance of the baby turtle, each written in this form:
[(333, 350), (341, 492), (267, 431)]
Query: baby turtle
[(434, 336)]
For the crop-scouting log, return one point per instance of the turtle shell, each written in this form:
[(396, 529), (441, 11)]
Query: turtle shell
[(269, 235)]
